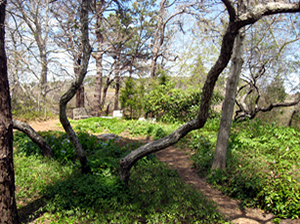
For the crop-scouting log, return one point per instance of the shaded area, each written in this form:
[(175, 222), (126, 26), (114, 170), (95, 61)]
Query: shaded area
[(31, 211), (156, 193)]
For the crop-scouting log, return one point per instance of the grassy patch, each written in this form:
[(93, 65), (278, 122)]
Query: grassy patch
[(117, 126), (54, 191)]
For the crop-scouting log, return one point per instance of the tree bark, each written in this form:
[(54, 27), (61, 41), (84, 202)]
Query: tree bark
[(35, 137), (8, 208), (229, 101), (234, 25), (86, 52), (79, 101), (80, 97), (99, 55), (117, 90)]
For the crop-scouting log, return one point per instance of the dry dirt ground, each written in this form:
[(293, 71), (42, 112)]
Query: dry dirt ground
[(179, 159)]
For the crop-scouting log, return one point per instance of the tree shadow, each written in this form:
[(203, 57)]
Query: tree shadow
[(155, 191), (31, 211)]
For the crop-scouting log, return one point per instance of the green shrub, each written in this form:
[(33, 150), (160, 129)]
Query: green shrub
[(131, 98), (170, 104)]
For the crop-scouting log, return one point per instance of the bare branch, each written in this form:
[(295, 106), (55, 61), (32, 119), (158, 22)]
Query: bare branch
[(35, 137)]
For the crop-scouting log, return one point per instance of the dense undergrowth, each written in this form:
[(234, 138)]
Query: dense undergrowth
[(263, 165), (54, 191), (262, 170), (263, 160)]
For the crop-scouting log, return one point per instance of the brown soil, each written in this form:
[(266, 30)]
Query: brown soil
[(46, 125), (179, 159)]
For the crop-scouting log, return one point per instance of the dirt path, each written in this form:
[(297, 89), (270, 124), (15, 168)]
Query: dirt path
[(46, 125), (179, 160)]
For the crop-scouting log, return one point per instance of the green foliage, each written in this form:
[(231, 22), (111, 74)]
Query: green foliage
[(131, 98), (116, 126), (156, 193), (170, 104), (98, 125), (156, 130), (204, 154), (262, 166)]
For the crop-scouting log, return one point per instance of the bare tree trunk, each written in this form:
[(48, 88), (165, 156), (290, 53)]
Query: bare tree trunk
[(86, 51), (80, 97), (108, 82), (44, 64), (35, 137), (228, 105), (8, 208), (158, 38), (98, 87), (117, 82), (98, 57), (79, 101)]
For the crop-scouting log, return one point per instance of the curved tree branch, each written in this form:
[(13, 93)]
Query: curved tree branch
[(86, 52), (35, 137)]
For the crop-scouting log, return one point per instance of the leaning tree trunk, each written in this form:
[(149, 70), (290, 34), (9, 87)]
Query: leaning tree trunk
[(8, 208), (35, 137), (234, 25), (86, 51), (229, 101)]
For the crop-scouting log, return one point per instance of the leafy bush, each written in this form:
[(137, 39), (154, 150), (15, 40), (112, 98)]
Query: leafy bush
[(131, 98), (204, 155), (170, 104)]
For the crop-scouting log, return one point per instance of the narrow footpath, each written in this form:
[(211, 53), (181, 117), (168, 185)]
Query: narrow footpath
[(179, 160)]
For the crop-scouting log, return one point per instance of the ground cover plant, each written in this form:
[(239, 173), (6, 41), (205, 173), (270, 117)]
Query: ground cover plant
[(54, 191), (263, 167), (117, 126)]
